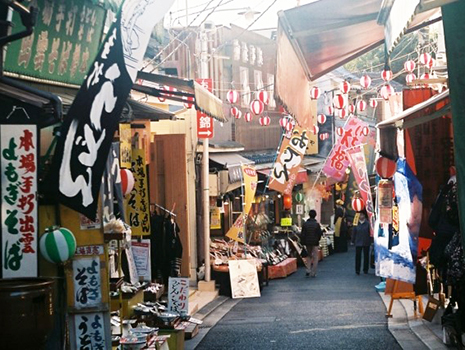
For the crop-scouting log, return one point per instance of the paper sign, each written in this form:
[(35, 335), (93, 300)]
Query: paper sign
[(178, 295), (87, 282), (244, 279), (90, 331), (18, 168), (141, 254)]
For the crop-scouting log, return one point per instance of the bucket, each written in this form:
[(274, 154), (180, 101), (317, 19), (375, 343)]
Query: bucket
[(26, 306)]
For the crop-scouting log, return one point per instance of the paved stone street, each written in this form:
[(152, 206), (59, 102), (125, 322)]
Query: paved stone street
[(336, 310)]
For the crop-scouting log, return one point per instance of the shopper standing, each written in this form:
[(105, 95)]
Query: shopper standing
[(362, 240), (310, 237)]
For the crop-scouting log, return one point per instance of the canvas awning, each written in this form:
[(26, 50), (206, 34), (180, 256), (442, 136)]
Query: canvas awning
[(229, 160), (139, 110), (434, 107), (204, 100)]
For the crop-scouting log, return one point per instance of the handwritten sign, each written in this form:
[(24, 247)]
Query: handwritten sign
[(90, 331), (87, 282), (178, 294), (18, 168), (138, 201), (244, 279), (141, 254)]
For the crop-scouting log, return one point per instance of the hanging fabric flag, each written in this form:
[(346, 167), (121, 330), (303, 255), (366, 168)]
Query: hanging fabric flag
[(287, 163), (359, 168), (249, 179), (87, 131), (337, 162)]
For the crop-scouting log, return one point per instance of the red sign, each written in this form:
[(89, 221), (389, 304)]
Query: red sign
[(204, 122)]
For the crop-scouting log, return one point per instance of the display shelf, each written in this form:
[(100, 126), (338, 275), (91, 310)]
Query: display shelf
[(283, 269)]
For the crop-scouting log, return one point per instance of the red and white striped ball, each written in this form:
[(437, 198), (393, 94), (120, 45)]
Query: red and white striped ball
[(387, 91), (431, 63), (425, 76), (315, 93), (365, 81), (257, 107), (339, 131), (263, 96), (264, 121), (365, 131), (361, 105), (373, 103), (410, 78), (409, 65), (283, 121), (386, 74), (321, 118), (290, 125), (232, 96), (248, 117), (352, 109), (315, 129), (344, 87), (358, 204), (127, 181), (385, 167), (339, 101), (322, 137), (425, 59), (329, 110), (236, 112), (342, 113)]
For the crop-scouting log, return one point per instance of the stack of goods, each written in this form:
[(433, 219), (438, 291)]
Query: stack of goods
[(221, 252)]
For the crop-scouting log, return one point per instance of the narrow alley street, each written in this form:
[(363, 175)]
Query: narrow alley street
[(336, 310)]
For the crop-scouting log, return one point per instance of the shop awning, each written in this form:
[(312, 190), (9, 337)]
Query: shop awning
[(434, 107), (204, 100), (229, 160), (139, 110)]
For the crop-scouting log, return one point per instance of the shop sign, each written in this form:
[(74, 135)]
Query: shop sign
[(385, 189), (87, 282), (178, 295), (63, 44), (359, 168), (87, 131), (244, 279), (138, 201), (205, 122), (287, 165), (112, 190), (299, 209), (286, 222), (18, 169), (89, 250), (338, 160), (125, 145), (87, 224), (215, 219), (249, 178), (89, 331), (141, 254)]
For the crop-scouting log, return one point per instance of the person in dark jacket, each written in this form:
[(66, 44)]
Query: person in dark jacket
[(310, 237), (362, 240)]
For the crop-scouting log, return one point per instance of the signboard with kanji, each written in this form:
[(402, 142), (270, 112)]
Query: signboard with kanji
[(204, 122), (18, 167), (178, 294)]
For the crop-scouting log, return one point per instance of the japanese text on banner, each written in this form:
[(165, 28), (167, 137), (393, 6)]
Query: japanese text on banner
[(178, 295)]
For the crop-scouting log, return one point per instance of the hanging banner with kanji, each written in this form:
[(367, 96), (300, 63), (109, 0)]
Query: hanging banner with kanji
[(125, 145), (286, 167), (205, 122), (178, 295), (89, 331), (249, 178), (359, 168), (138, 208), (87, 282), (87, 131), (355, 132), (18, 169)]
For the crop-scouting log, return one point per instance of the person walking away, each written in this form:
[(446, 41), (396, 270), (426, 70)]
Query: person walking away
[(310, 237), (362, 240), (338, 219)]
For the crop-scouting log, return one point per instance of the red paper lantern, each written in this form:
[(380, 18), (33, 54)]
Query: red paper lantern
[(386, 74), (385, 167), (352, 109), (344, 87), (263, 96), (321, 118), (127, 181), (373, 103), (361, 105), (326, 135), (410, 78), (248, 117), (284, 121), (257, 107), (315, 93), (358, 204), (264, 121), (290, 125), (236, 112), (425, 59), (232, 96), (339, 101), (287, 201), (342, 113), (409, 65), (365, 131), (365, 81), (387, 91), (322, 137), (431, 63), (339, 131), (329, 110), (425, 76), (315, 129)]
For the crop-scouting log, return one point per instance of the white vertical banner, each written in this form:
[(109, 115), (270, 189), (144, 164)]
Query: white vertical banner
[(178, 294), (18, 168)]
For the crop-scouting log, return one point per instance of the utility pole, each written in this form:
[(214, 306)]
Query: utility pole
[(205, 163)]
